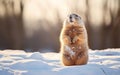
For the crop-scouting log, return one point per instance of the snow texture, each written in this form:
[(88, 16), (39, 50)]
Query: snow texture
[(16, 62)]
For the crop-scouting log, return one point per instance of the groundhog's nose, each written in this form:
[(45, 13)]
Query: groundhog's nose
[(70, 18)]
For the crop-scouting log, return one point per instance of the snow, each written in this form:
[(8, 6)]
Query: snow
[(18, 62)]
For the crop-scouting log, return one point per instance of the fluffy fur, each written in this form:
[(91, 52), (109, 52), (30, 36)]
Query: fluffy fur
[(73, 39)]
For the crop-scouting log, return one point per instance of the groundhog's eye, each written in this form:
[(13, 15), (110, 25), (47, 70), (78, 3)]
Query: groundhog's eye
[(76, 15), (70, 17)]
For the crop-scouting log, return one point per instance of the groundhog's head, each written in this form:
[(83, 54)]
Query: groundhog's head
[(73, 19)]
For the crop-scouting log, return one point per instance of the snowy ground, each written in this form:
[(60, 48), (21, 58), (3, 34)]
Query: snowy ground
[(15, 62)]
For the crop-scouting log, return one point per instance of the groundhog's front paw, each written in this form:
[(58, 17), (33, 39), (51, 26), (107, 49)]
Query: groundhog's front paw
[(75, 39)]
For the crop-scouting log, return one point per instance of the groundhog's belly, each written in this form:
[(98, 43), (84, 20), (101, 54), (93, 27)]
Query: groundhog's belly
[(75, 53)]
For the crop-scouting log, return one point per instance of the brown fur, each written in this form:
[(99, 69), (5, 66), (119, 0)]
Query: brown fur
[(75, 37)]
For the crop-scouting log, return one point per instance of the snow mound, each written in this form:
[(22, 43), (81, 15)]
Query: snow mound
[(17, 62), (36, 55)]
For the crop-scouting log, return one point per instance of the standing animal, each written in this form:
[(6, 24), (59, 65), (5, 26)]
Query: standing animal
[(74, 41)]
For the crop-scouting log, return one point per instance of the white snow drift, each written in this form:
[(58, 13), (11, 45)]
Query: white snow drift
[(16, 62)]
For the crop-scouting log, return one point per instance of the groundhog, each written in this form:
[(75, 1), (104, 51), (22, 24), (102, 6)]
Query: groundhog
[(74, 41)]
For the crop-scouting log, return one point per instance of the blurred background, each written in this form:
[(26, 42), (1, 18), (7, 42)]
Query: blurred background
[(35, 25)]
